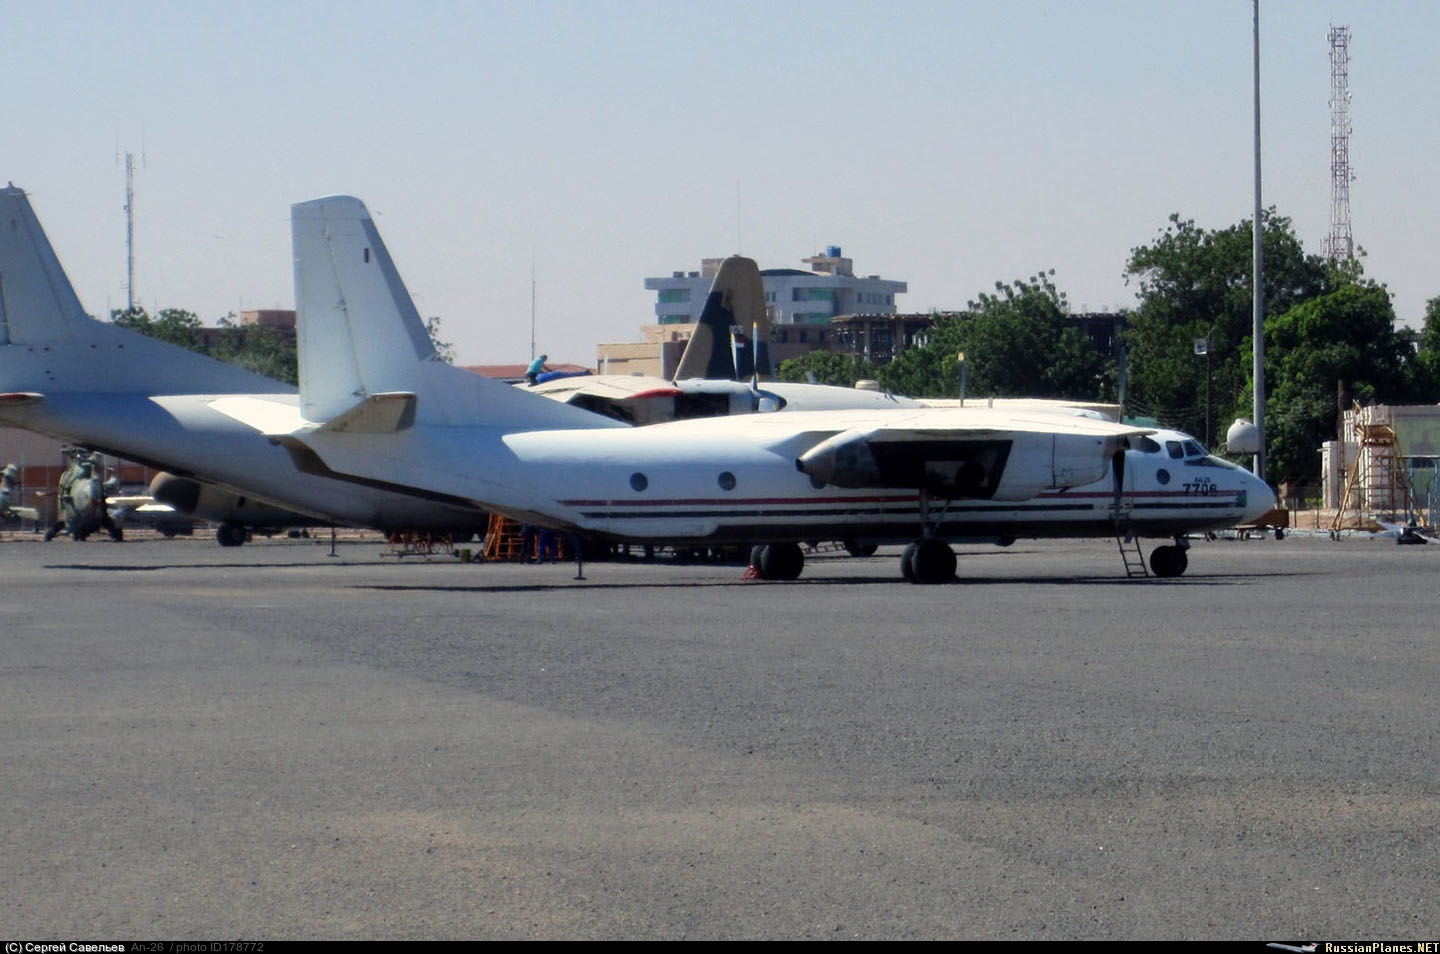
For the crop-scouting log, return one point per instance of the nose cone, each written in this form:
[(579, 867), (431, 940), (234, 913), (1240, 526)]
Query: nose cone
[(1260, 499)]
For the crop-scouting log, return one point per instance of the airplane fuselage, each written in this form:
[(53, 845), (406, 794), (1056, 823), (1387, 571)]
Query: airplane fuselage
[(184, 435), (736, 480)]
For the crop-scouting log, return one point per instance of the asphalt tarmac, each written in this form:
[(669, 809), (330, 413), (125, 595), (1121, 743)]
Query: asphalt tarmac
[(273, 743)]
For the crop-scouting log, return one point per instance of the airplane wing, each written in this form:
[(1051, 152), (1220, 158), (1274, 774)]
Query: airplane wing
[(1099, 410), (616, 387)]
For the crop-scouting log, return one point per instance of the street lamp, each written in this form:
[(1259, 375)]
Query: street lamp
[(960, 357), (1202, 348)]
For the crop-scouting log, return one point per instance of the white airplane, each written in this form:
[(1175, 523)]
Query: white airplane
[(717, 374), (374, 406), (69, 376)]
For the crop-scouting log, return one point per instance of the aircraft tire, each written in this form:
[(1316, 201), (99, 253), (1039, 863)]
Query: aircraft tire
[(857, 549), (907, 565), (932, 562), (230, 535), (1168, 561), (781, 561), (116, 534)]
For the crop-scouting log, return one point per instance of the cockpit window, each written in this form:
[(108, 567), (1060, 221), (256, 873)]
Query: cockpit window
[(1193, 449), (1176, 451), (1144, 444)]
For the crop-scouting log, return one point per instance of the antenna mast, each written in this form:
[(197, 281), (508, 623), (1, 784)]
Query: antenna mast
[(129, 231), (1340, 244), (130, 222)]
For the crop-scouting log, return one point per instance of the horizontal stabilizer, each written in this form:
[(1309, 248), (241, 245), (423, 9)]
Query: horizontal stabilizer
[(268, 417), (377, 414)]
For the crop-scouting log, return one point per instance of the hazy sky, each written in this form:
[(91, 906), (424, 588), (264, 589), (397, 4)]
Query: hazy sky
[(949, 145)]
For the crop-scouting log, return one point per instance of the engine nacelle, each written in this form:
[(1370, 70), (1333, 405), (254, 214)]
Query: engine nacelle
[(205, 502), (1016, 466)]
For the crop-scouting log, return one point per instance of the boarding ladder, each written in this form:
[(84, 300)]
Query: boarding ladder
[(1126, 539), (1130, 553), (504, 539)]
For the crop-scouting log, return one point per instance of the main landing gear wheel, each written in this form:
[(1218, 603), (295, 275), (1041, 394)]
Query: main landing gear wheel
[(1168, 561), (778, 561), (929, 561), (230, 534), (857, 549)]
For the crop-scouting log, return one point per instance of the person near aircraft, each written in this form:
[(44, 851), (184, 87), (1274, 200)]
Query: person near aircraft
[(537, 367)]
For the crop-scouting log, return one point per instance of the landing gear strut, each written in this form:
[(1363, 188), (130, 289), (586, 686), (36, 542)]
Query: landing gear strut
[(929, 559)]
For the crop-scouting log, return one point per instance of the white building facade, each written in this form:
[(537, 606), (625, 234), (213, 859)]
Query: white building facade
[(795, 297)]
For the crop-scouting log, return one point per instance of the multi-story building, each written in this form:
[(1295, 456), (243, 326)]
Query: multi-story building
[(802, 305), (795, 296)]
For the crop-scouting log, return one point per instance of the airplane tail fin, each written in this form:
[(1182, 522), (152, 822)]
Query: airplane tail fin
[(361, 340), (37, 301), (736, 299), (344, 280), (48, 344)]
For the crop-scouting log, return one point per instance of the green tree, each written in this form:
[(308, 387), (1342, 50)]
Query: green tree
[(1425, 368), (1319, 355), (444, 350), (1196, 283), (827, 367), (1017, 342), (262, 350), (175, 325), (266, 351)]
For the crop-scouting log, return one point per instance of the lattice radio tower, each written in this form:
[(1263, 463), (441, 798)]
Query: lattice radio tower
[(1340, 244)]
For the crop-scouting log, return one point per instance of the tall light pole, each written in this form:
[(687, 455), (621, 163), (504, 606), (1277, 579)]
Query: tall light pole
[(1258, 334), (1202, 349)]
